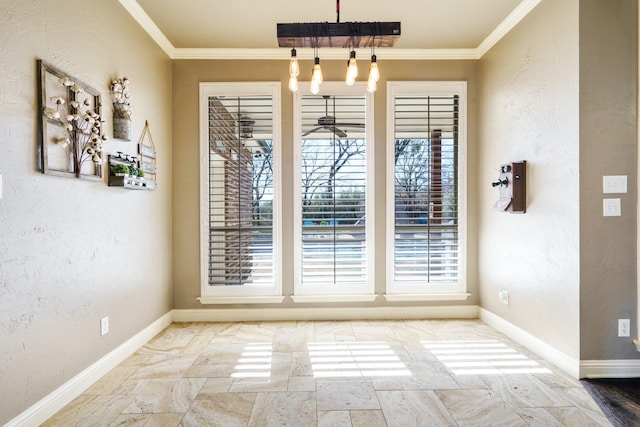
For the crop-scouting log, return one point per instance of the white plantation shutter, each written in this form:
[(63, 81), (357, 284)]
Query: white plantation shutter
[(239, 232), (426, 233), (333, 189)]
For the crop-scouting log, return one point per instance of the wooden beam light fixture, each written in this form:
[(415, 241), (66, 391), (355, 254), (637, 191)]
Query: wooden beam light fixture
[(337, 34)]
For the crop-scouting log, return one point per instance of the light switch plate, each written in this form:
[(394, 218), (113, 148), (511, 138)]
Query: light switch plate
[(611, 207), (0, 186), (614, 184)]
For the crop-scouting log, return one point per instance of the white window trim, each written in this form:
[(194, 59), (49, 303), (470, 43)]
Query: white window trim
[(333, 298), (433, 89), (208, 293), (334, 88), (427, 297), (241, 300)]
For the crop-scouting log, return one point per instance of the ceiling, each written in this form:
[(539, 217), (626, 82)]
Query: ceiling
[(246, 29)]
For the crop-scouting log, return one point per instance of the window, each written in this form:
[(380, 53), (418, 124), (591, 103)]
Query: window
[(333, 154), (239, 189), (426, 187)]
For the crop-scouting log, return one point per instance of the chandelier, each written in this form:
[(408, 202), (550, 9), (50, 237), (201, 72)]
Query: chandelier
[(350, 35)]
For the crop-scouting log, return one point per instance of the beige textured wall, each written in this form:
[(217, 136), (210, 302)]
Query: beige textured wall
[(72, 251), (529, 110), (608, 146), (186, 76)]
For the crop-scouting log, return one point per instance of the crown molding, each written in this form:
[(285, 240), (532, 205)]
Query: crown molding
[(147, 24), (505, 26), (325, 54), (136, 11)]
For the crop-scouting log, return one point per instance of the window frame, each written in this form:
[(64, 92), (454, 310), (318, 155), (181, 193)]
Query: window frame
[(451, 290), (306, 292), (248, 292)]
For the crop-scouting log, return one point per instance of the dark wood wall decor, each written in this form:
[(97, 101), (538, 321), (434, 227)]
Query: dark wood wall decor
[(512, 184)]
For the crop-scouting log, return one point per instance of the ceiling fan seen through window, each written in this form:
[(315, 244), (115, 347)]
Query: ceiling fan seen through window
[(328, 122)]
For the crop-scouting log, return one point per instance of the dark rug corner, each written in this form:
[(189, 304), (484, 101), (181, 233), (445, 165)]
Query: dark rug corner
[(618, 398)]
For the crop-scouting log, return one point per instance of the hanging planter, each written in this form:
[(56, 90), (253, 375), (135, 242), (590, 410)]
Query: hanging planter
[(121, 121)]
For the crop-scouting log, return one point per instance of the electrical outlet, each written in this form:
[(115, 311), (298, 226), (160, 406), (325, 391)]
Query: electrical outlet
[(503, 295), (624, 328), (611, 207), (104, 325)]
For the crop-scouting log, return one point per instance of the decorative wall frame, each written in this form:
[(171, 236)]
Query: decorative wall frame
[(70, 125)]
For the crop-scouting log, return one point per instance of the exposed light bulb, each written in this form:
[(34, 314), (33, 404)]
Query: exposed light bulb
[(293, 84), (294, 68), (316, 77), (317, 72), (314, 88), (374, 73), (352, 69), (371, 85)]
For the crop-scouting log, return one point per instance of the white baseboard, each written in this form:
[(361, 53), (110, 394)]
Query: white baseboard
[(328, 313), (610, 368), (59, 398), (533, 343)]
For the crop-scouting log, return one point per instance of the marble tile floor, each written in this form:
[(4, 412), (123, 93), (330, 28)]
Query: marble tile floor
[(333, 373)]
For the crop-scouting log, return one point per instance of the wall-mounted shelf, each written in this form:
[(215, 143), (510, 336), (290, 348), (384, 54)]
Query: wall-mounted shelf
[(123, 172)]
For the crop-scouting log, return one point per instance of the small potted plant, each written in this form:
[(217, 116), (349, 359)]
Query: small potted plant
[(136, 172), (120, 169)]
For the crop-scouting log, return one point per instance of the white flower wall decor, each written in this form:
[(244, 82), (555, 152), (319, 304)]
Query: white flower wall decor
[(120, 91), (72, 128)]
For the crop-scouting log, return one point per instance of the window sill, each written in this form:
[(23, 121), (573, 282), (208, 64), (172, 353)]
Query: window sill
[(426, 297), (333, 298), (241, 300)]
